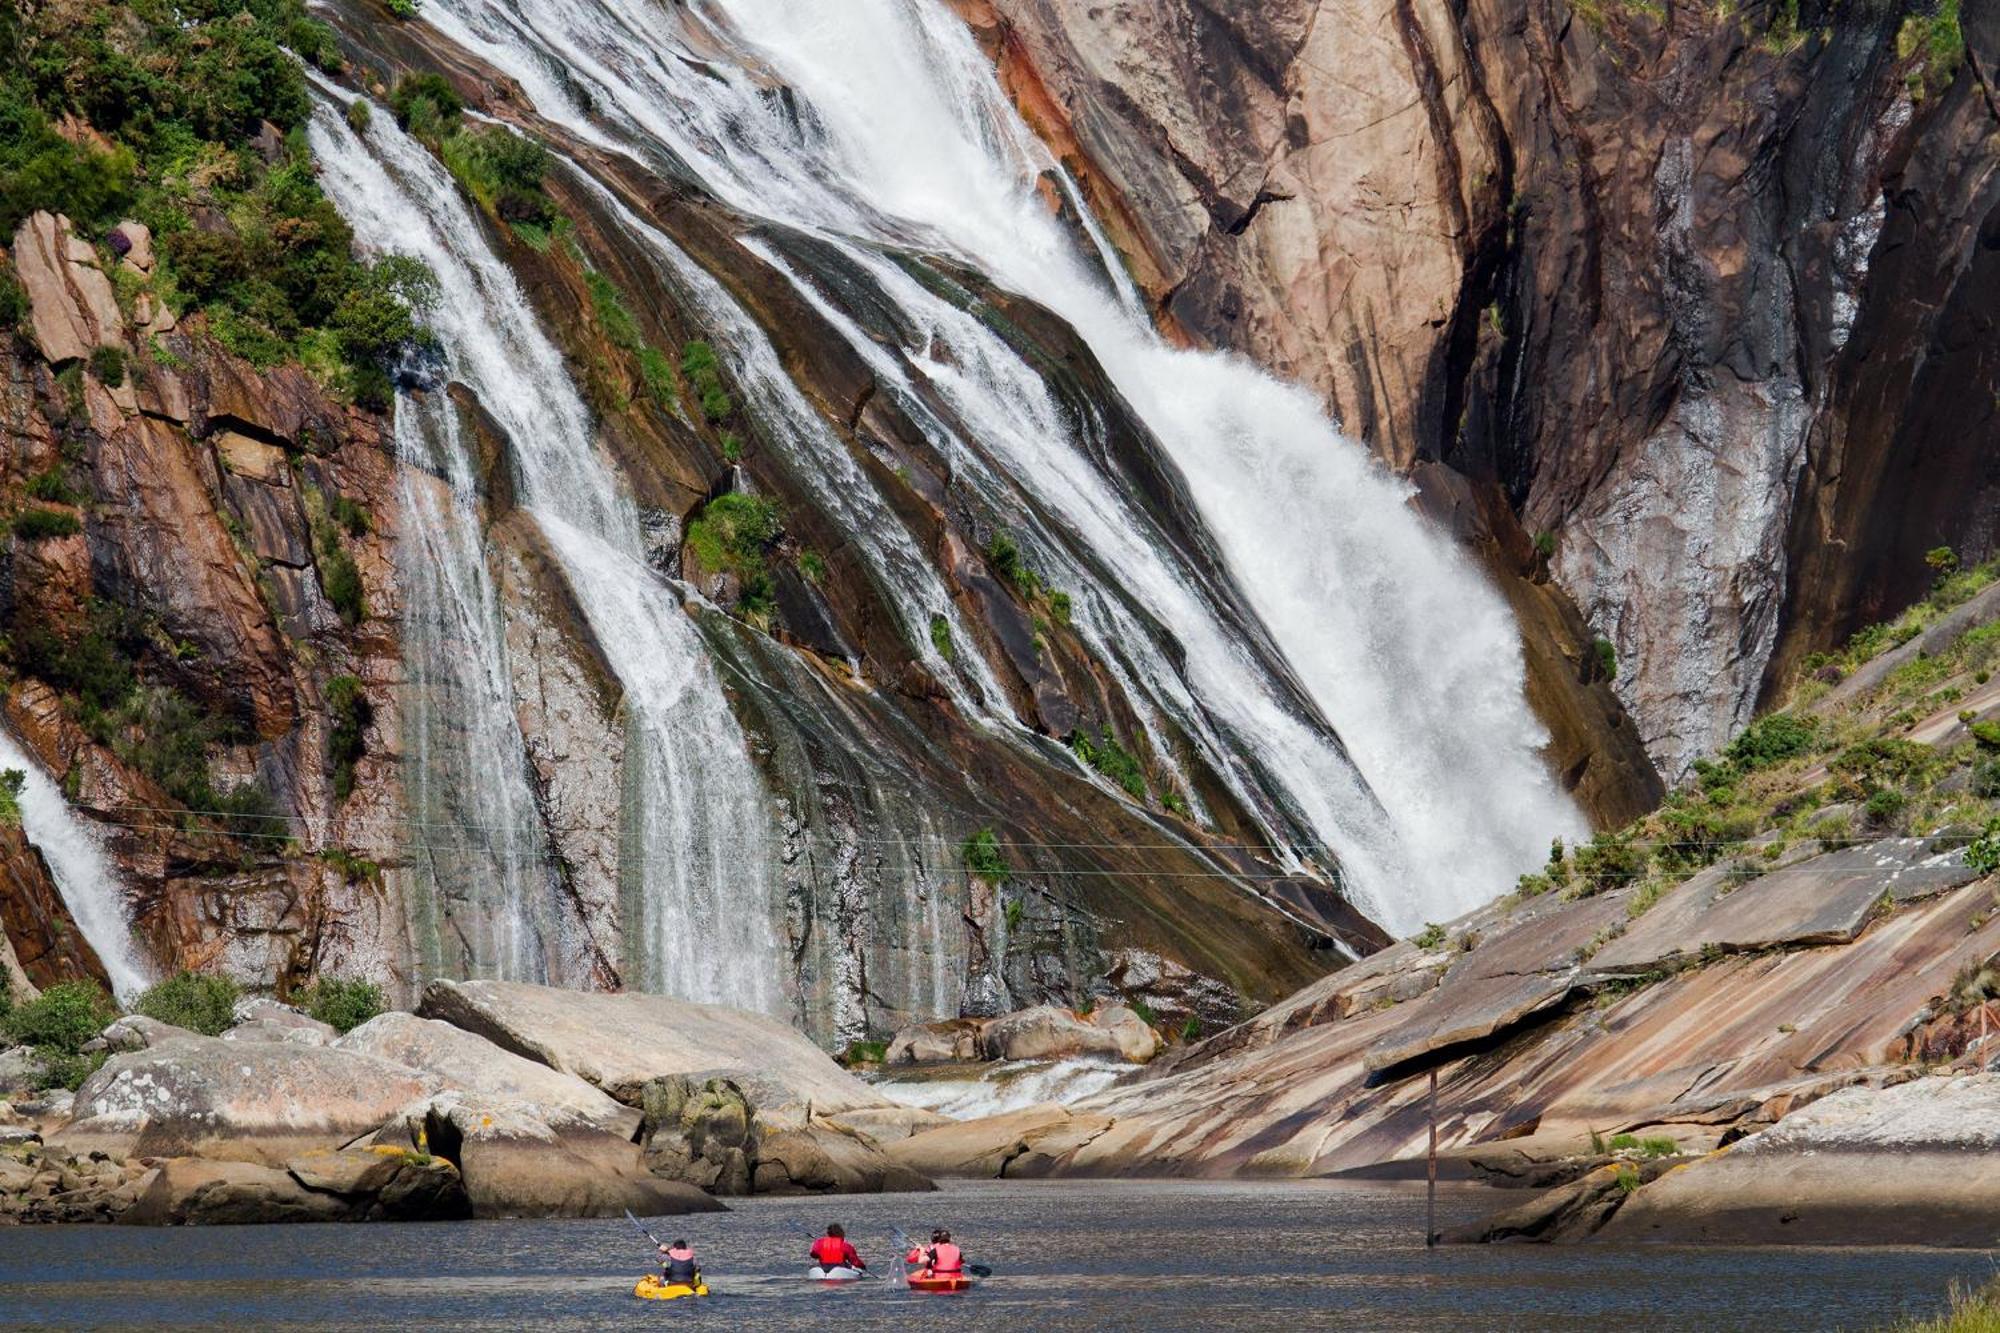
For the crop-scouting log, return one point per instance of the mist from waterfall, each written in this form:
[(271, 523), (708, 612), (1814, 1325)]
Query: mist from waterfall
[(83, 871), (696, 856), (892, 134)]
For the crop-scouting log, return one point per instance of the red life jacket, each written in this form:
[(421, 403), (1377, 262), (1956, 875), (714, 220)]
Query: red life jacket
[(946, 1257), (834, 1252)]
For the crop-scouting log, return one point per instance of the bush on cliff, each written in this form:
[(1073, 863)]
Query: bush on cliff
[(345, 1003), (981, 854), (34, 525), (197, 1001), (12, 780)]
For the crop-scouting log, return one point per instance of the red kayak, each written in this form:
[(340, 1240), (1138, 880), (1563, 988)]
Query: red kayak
[(941, 1282)]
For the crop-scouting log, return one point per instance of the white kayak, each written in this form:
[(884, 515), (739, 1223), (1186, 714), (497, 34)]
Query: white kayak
[(838, 1273)]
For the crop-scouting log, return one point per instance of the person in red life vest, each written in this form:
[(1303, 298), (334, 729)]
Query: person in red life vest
[(833, 1250), (678, 1266), (940, 1258)]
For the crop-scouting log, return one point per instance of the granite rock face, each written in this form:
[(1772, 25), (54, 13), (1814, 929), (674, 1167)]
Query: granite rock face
[(1688, 296)]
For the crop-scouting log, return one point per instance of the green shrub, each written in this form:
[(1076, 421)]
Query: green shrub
[(12, 780), (941, 636), (1016, 909), (1987, 734), (1545, 544), (1608, 861), (1772, 739), (197, 1001), (1887, 805), (359, 115), (1604, 659), (352, 518), (1191, 1030), (621, 327), (351, 714), (1111, 759), (1982, 854), (1624, 1143), (864, 1053), (1430, 937), (1628, 1178), (1144, 1011), (426, 102), (405, 9), (345, 1003), (62, 1018), (50, 485), (732, 447), (1059, 607), (340, 578), (108, 364), (704, 375), (1658, 1147), (658, 374), (981, 853), (1986, 778), (812, 567), (1004, 554), (33, 525)]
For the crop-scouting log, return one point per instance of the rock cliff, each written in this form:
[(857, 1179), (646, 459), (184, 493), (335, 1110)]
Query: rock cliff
[(1680, 289)]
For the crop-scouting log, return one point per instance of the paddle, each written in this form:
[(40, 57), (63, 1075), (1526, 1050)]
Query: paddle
[(864, 1272), (903, 1239), (641, 1230)]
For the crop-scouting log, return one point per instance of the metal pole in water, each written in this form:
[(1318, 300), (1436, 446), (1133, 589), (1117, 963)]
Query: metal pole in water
[(1431, 1189)]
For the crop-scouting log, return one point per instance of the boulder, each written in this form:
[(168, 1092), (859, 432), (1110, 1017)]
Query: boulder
[(1023, 1143), (188, 1191), (712, 1136), (386, 1183), (19, 1071), (138, 238), (483, 1072), (622, 1042), (136, 1032), (308, 1033), (72, 308), (517, 1166), (952, 1040), (1049, 1033), (259, 1102)]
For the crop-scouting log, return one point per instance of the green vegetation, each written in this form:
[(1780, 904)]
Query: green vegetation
[(1939, 43), (812, 567), (1191, 1030), (350, 712), (864, 1053), (339, 576), (353, 868), (12, 780), (108, 364), (405, 9), (981, 854), (735, 533), (502, 171), (1144, 1011), (1059, 607), (1004, 554), (704, 376), (620, 325), (360, 115), (180, 92), (1430, 937), (200, 1002), (1772, 739), (56, 1024), (1628, 1179), (1015, 910), (1111, 759), (1545, 544), (1604, 660), (50, 485), (33, 525), (941, 636), (345, 1003), (732, 447)]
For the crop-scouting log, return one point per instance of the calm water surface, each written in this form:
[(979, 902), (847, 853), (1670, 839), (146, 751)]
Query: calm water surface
[(1099, 1255)]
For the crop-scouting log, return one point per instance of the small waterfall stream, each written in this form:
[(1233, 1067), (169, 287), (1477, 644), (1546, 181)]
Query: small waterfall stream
[(1395, 727), (83, 872), (696, 856)]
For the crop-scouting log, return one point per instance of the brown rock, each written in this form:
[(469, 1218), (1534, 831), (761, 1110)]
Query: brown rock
[(73, 310), (192, 1192)]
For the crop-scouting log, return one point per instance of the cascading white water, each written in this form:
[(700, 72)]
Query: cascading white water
[(83, 872), (697, 855), (893, 133), (484, 847)]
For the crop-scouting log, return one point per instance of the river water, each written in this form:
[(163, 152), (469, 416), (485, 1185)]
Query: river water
[(1110, 1255)]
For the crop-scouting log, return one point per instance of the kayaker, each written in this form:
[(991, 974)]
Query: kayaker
[(834, 1251), (940, 1258), (677, 1265)]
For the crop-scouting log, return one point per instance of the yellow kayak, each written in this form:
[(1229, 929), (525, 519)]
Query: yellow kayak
[(651, 1288)]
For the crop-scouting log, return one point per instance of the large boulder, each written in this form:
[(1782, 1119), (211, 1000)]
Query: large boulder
[(948, 1041), (531, 1141), (1017, 1144), (484, 1073), (622, 1042), (259, 1102), (260, 1019), (189, 1191), (137, 1032), (1913, 1164), (1050, 1033)]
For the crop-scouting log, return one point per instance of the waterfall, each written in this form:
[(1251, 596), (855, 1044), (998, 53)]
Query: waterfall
[(485, 852), (83, 873), (696, 856), (1395, 725)]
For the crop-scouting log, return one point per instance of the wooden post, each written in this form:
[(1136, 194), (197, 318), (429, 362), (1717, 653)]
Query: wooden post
[(1431, 1189)]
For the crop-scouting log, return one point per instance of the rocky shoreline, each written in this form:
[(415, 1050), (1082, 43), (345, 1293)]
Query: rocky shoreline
[(493, 1099)]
